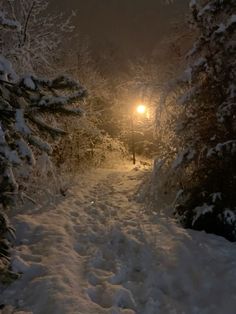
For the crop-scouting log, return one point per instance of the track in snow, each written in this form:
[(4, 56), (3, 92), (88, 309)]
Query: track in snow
[(100, 251)]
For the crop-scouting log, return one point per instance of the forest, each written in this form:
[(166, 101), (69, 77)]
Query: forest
[(117, 173)]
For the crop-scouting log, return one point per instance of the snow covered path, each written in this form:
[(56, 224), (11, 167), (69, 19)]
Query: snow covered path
[(99, 251)]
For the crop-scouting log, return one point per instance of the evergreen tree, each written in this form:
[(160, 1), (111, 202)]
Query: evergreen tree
[(25, 104), (206, 124)]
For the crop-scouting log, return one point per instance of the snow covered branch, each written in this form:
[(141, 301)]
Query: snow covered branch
[(23, 104), (8, 23)]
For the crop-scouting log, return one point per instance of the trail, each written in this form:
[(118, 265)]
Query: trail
[(99, 250)]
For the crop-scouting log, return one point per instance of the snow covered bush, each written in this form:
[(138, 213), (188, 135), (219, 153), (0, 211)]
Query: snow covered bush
[(90, 141), (203, 123)]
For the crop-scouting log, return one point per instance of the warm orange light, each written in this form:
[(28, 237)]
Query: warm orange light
[(141, 109)]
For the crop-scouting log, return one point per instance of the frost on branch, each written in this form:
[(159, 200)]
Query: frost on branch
[(33, 47)]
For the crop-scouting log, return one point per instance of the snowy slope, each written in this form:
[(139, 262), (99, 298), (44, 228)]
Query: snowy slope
[(99, 251)]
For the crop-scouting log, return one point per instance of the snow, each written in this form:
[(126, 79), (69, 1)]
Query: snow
[(229, 146), (7, 23), (187, 154), (179, 159), (99, 251), (229, 216), (193, 50), (29, 82), (8, 173), (202, 210), (6, 71), (205, 10), (232, 19), (2, 136), (220, 29), (25, 151), (59, 101), (192, 4), (191, 154), (188, 74), (230, 23), (200, 62), (177, 197), (19, 265), (157, 165), (12, 156), (232, 91), (216, 196), (20, 124), (186, 97), (42, 145)]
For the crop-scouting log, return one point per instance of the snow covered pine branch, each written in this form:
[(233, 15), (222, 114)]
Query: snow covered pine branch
[(207, 156), (23, 101), (23, 104)]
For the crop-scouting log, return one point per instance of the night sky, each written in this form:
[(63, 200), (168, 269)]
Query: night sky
[(135, 26)]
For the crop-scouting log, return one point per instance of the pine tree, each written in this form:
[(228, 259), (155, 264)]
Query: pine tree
[(206, 126), (25, 103)]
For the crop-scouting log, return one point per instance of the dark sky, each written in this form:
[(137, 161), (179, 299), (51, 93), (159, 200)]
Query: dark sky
[(133, 25)]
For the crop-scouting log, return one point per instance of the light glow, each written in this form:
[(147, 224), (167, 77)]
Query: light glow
[(141, 109)]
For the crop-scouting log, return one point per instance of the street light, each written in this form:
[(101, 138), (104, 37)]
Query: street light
[(141, 110)]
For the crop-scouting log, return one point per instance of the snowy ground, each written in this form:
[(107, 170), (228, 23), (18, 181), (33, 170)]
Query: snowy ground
[(99, 251)]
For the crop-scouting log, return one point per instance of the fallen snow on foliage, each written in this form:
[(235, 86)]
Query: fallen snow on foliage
[(192, 3), (21, 125), (98, 251), (229, 216), (7, 23), (29, 82), (202, 210), (6, 71)]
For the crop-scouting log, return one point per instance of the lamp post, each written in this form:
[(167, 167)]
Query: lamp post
[(132, 138), (141, 110)]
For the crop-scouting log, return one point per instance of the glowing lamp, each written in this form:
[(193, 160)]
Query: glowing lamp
[(141, 109)]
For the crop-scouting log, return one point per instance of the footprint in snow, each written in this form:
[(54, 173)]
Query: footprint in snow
[(100, 262), (108, 296), (96, 279)]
